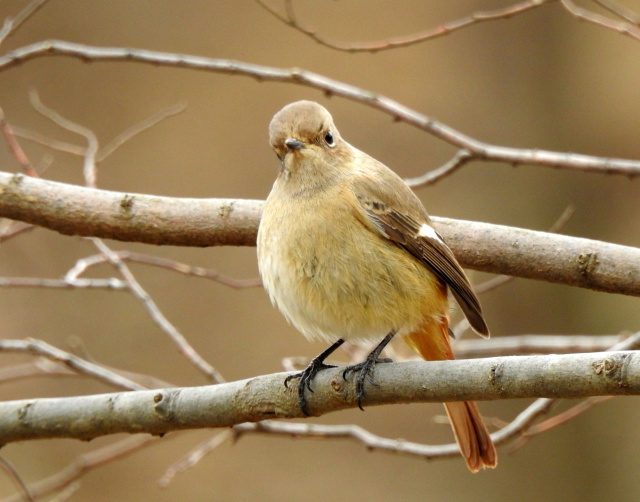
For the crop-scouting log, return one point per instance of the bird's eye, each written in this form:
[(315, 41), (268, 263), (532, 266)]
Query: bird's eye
[(328, 137)]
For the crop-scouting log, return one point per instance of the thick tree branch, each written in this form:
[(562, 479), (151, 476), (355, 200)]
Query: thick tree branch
[(477, 149), (265, 397), (75, 210)]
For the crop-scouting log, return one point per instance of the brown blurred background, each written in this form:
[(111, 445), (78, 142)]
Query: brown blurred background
[(539, 80)]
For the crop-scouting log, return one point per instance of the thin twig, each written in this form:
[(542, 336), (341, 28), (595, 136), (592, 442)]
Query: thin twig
[(480, 150), (461, 158), (13, 229), (66, 493), (291, 20), (85, 463), (43, 367), (75, 363), (54, 144), (158, 317), (622, 27), (620, 10), (591, 17), (15, 148), (89, 168), (83, 264), (17, 479), (195, 455), (32, 369), (136, 129), (11, 25), (567, 415), (38, 282), (534, 344)]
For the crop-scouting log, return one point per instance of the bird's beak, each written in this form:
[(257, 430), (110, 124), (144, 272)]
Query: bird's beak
[(293, 144)]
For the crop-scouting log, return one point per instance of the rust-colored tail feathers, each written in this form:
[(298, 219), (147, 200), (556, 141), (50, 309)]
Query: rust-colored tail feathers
[(431, 341)]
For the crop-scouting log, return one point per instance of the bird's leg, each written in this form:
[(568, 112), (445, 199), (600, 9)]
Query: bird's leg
[(364, 370), (306, 377)]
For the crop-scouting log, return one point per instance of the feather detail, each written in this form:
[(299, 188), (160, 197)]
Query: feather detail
[(415, 234)]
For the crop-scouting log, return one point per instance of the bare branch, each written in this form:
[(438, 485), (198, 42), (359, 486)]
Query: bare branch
[(525, 419), (479, 150), (624, 28), (541, 255), (461, 158), (85, 463), (290, 19), (15, 477), (89, 168), (520, 426), (37, 282), (77, 364), (195, 455), (11, 25), (265, 397), (131, 256), (103, 153), (136, 129), (500, 280), (13, 229), (33, 369), (565, 416), (15, 148), (158, 317), (535, 344), (54, 144), (74, 210), (620, 10), (371, 441), (591, 17)]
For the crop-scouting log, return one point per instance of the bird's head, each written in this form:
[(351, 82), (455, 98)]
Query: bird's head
[(306, 140)]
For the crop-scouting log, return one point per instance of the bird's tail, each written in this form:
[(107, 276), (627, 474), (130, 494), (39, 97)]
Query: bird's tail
[(431, 341)]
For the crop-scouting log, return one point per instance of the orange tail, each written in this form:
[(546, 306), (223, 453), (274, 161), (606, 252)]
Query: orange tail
[(431, 341)]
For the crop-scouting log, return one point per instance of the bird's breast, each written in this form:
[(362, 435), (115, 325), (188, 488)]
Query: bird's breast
[(333, 277)]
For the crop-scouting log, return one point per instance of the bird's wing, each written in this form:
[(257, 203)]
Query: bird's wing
[(410, 228)]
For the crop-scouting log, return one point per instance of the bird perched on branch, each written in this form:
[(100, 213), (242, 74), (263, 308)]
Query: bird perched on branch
[(347, 252)]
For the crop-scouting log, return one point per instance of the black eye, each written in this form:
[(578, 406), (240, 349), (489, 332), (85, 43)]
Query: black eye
[(328, 137)]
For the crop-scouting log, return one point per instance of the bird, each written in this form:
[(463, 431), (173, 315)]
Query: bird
[(347, 252)]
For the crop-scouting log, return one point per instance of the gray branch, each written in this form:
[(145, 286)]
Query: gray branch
[(76, 210), (476, 149), (265, 397)]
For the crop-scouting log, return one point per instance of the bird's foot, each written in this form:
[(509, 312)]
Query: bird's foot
[(364, 372), (304, 381)]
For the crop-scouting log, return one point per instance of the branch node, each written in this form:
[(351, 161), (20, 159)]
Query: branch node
[(336, 384), (126, 205), (614, 369), (587, 263), (16, 179), (163, 406), (495, 375), (225, 210)]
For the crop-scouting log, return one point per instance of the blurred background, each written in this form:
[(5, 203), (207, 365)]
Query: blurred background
[(538, 80)]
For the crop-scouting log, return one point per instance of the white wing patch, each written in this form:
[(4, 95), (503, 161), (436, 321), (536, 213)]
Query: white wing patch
[(429, 232)]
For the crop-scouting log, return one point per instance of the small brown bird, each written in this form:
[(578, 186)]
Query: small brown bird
[(347, 252)]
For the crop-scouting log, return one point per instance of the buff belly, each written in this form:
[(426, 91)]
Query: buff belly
[(359, 291)]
